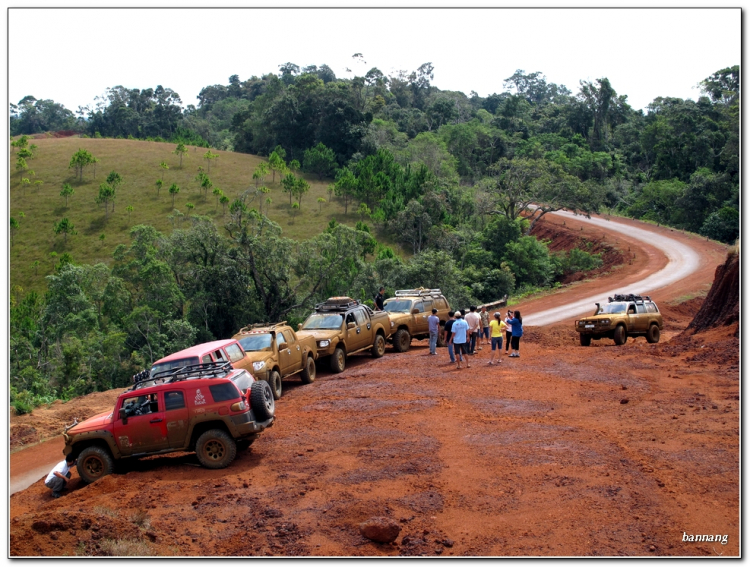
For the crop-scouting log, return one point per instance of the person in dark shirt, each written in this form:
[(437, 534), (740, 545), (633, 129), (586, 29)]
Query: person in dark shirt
[(447, 330), (379, 298)]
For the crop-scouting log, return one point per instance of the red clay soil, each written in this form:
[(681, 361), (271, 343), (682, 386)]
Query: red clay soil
[(566, 451)]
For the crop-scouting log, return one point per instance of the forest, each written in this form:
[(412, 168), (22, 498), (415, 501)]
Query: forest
[(446, 175)]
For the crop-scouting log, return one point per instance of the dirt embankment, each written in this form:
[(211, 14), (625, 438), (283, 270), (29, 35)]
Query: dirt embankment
[(568, 450)]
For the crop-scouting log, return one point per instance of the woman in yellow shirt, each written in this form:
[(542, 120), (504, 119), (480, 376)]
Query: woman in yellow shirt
[(497, 328)]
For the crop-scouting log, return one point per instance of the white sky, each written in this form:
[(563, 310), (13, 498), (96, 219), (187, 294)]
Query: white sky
[(72, 55)]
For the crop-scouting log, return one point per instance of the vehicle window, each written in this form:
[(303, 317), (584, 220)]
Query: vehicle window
[(141, 405), (234, 352), (651, 308), (172, 364), (280, 338), (323, 321), (174, 400), (397, 306), (613, 308), (206, 359), (438, 303), (360, 315), (427, 306), (255, 343), (419, 306), (640, 307), (350, 318), (224, 391), (243, 381), (631, 309)]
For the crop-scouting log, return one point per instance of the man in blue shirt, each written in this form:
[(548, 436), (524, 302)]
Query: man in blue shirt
[(433, 323), (448, 330), (460, 328)]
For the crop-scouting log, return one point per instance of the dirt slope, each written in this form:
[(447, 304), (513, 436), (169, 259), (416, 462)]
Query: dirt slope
[(568, 450)]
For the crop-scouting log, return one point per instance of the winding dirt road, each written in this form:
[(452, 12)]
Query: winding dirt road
[(566, 451)]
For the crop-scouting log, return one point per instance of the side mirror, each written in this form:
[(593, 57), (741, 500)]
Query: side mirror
[(123, 416), (283, 346), (351, 325), (414, 311), (299, 326)]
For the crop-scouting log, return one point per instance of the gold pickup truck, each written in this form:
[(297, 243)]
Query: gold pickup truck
[(277, 352), (622, 317), (408, 312), (342, 326)]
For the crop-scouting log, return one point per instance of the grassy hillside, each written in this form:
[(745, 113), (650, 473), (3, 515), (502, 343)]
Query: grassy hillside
[(138, 163)]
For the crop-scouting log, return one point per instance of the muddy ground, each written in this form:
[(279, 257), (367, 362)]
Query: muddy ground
[(566, 451)]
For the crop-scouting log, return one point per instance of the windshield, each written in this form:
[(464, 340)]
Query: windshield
[(398, 306), (255, 343), (323, 321), (613, 308), (172, 364)]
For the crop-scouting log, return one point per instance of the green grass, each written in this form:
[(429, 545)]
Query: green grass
[(138, 163)]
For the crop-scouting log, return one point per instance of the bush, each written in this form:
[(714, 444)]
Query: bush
[(576, 260), (530, 262), (722, 225)]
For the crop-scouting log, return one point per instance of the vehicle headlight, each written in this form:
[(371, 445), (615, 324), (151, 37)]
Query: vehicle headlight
[(258, 366), (323, 344), (391, 324), (606, 321)]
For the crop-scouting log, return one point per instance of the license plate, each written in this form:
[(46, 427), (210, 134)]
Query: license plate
[(589, 326)]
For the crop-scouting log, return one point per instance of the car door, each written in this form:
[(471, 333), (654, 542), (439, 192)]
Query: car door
[(641, 318), (364, 326), (176, 417), (632, 318), (146, 428), (286, 359), (420, 319)]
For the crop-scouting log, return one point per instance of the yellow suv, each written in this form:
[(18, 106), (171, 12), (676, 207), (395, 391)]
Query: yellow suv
[(622, 317)]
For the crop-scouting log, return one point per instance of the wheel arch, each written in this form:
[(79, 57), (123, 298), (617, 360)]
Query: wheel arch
[(201, 427)]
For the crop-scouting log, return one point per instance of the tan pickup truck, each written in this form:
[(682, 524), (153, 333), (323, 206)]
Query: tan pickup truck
[(277, 352), (408, 312), (342, 326)]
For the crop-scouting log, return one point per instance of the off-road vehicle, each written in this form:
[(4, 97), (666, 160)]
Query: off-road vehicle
[(212, 409), (622, 317), (408, 312), (214, 351), (342, 326), (277, 352)]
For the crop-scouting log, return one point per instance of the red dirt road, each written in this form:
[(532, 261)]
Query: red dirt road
[(568, 450)]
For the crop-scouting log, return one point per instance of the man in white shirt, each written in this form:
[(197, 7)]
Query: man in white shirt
[(58, 477), (473, 320)]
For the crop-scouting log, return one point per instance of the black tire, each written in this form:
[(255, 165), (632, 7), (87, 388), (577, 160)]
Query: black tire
[(378, 347), (308, 372), (401, 340), (215, 449), (441, 338), (94, 463), (585, 340), (261, 400), (620, 335), (653, 334), (274, 380), (338, 360)]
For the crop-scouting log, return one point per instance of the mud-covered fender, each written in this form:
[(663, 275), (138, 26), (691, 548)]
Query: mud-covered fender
[(98, 436)]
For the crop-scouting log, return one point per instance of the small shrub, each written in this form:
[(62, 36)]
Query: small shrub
[(140, 518), (125, 548)]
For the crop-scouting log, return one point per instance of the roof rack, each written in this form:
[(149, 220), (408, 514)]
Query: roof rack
[(251, 328), (337, 304), (629, 297), (420, 291), (205, 370)]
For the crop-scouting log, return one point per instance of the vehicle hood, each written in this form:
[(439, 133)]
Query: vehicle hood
[(96, 422), (258, 355), (602, 316), (399, 317), (319, 334)]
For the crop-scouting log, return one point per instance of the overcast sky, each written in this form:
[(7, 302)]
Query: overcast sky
[(72, 55)]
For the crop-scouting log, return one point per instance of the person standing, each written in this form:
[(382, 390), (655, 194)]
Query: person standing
[(58, 477), (484, 331), (516, 325), (433, 324), (460, 330), (497, 327), (508, 330), (379, 299), (473, 321), (447, 329)]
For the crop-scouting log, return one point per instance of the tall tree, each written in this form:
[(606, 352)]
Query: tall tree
[(67, 191), (106, 194), (181, 151), (173, 190), (65, 227), (114, 180), (80, 161), (320, 160)]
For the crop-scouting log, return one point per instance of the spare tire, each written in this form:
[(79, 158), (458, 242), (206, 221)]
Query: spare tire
[(261, 400)]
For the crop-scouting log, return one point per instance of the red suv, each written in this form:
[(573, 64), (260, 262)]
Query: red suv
[(211, 409)]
